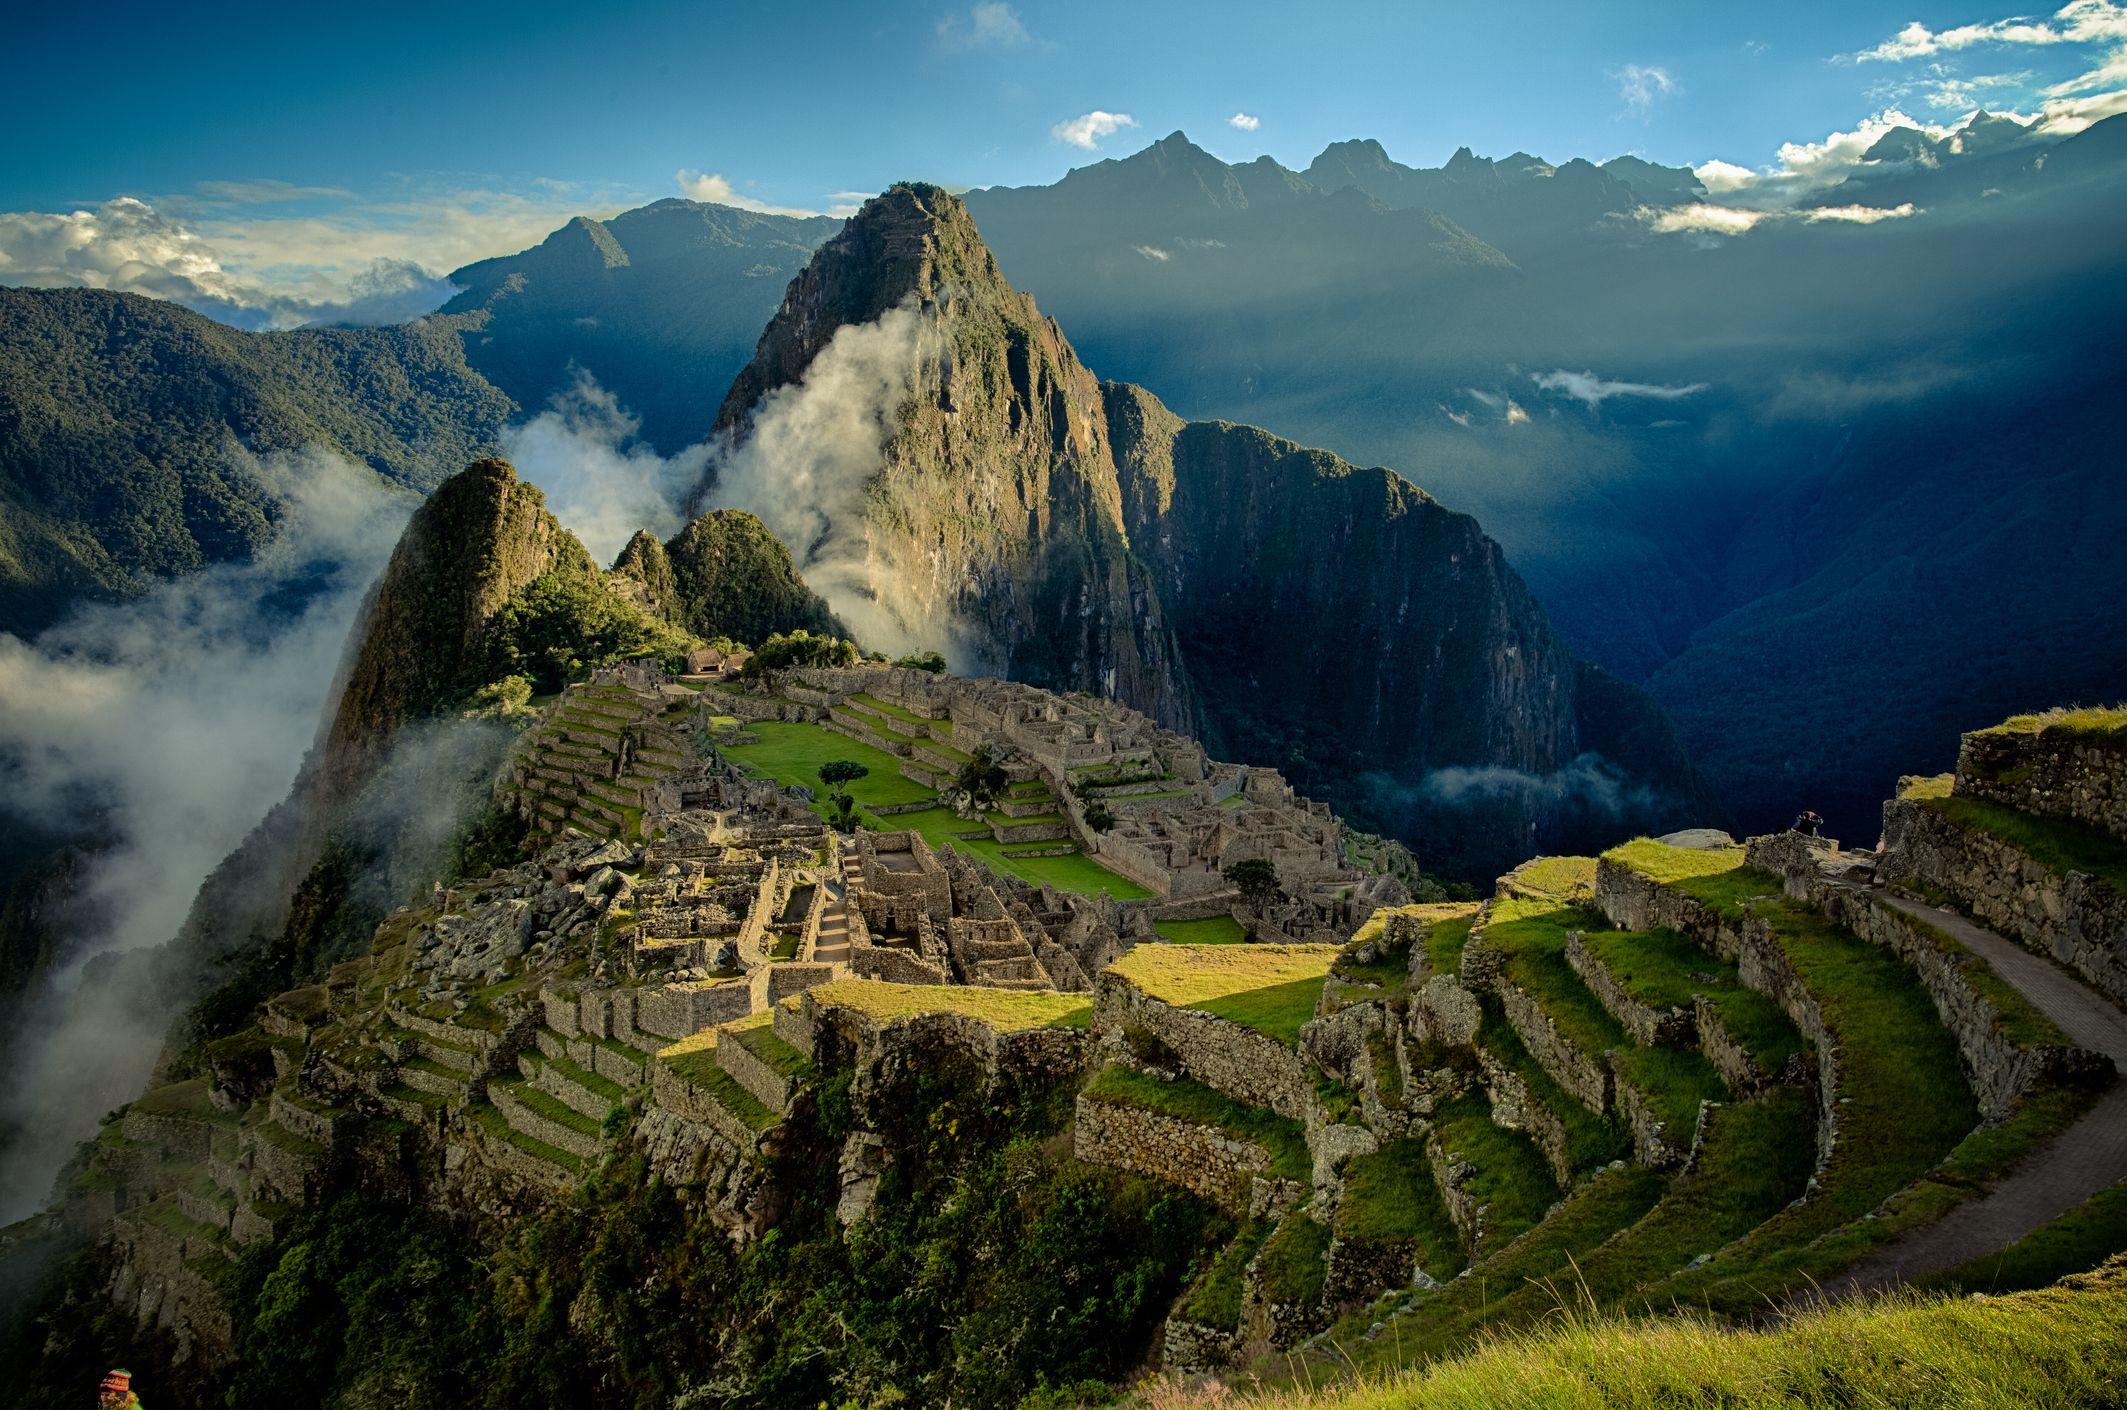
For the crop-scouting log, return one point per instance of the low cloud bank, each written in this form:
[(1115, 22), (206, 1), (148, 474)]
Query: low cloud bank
[(600, 481), (165, 728)]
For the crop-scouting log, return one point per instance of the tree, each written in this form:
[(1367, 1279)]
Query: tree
[(1256, 878), (838, 774), (923, 661), (982, 778), (787, 651), (1099, 816)]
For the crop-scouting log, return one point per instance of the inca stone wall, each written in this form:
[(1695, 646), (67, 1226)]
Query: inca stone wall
[(1201, 1159), (2075, 918), (1238, 1061), (2055, 773)]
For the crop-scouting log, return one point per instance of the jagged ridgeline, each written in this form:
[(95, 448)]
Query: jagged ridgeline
[(1287, 607)]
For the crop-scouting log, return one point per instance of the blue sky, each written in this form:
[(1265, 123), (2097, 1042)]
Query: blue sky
[(278, 140)]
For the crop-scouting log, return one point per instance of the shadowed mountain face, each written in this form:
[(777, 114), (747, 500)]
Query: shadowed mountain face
[(656, 304), (1292, 608), (1740, 470)]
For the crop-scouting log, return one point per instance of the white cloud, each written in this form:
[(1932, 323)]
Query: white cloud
[(1720, 177), (714, 187), (127, 246), (268, 254), (986, 26), (1640, 84), (1088, 130), (1509, 410), (599, 480), (1859, 215), (2078, 22), (174, 721), (847, 203), (2064, 117), (2111, 73), (1960, 93), (1153, 252), (1706, 219), (1592, 390), (1246, 122)]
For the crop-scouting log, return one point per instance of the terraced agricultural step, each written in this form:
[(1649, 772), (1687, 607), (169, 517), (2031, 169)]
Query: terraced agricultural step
[(761, 1062), (526, 1156), (575, 1087), (539, 1115), (425, 1074)]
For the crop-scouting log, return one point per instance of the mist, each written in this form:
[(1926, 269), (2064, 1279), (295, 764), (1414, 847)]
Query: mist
[(162, 729), (805, 462), (601, 482), (1589, 781)]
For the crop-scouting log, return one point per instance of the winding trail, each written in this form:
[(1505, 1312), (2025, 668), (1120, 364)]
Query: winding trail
[(2087, 1157)]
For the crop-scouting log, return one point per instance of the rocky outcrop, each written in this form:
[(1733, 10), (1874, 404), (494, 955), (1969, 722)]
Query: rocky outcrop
[(724, 575)]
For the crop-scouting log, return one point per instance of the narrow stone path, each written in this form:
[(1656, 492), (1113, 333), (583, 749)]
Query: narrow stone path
[(2089, 1156)]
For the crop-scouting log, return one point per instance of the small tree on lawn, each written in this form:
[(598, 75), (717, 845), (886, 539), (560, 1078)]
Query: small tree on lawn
[(1256, 879), (838, 775)]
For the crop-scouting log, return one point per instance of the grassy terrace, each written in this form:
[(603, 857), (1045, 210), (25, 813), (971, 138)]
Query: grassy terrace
[(695, 1060), (1674, 1081), (756, 1035), (1664, 969), (1293, 1265), (1558, 878), (1212, 930), (1532, 932), (1390, 1198), (1271, 988), (497, 1125), (1904, 1101), (2109, 722), (1591, 1140), (1186, 1099), (2054, 843), (2081, 1239), (1006, 1010), (546, 1105), (881, 707), (1544, 1257), (792, 754), (2058, 1348), (1215, 1298), (1511, 1180)]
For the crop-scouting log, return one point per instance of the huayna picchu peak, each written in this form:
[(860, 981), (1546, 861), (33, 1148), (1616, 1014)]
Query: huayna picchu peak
[(1290, 608)]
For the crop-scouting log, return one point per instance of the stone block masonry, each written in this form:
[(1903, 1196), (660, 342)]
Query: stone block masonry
[(1201, 1159), (1248, 1066), (2055, 773), (2077, 919)]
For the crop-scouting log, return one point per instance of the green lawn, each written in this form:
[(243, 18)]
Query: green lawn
[(2055, 843), (1663, 969), (2079, 1240), (1212, 930), (1591, 1140), (1512, 1180), (792, 753), (1007, 1010), (1273, 989), (1532, 934)]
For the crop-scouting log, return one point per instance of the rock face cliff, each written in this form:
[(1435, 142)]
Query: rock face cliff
[(724, 575), (1292, 609), (993, 513), (422, 638)]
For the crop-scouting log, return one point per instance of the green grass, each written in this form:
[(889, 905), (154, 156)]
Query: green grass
[(1390, 1198), (1512, 1180), (695, 1061), (497, 1125), (1532, 935), (547, 1105), (2061, 1349), (2109, 722), (2079, 1240), (1450, 1316), (1444, 942), (1591, 1140), (791, 753), (878, 706), (2054, 843), (1188, 1100), (1074, 872), (1558, 878), (1758, 1025), (1007, 1010), (757, 1036), (1674, 1081), (1273, 989), (1215, 1298), (1660, 968), (1294, 1260), (1212, 930)]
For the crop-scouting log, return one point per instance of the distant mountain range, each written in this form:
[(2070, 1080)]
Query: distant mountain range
[(1846, 475)]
